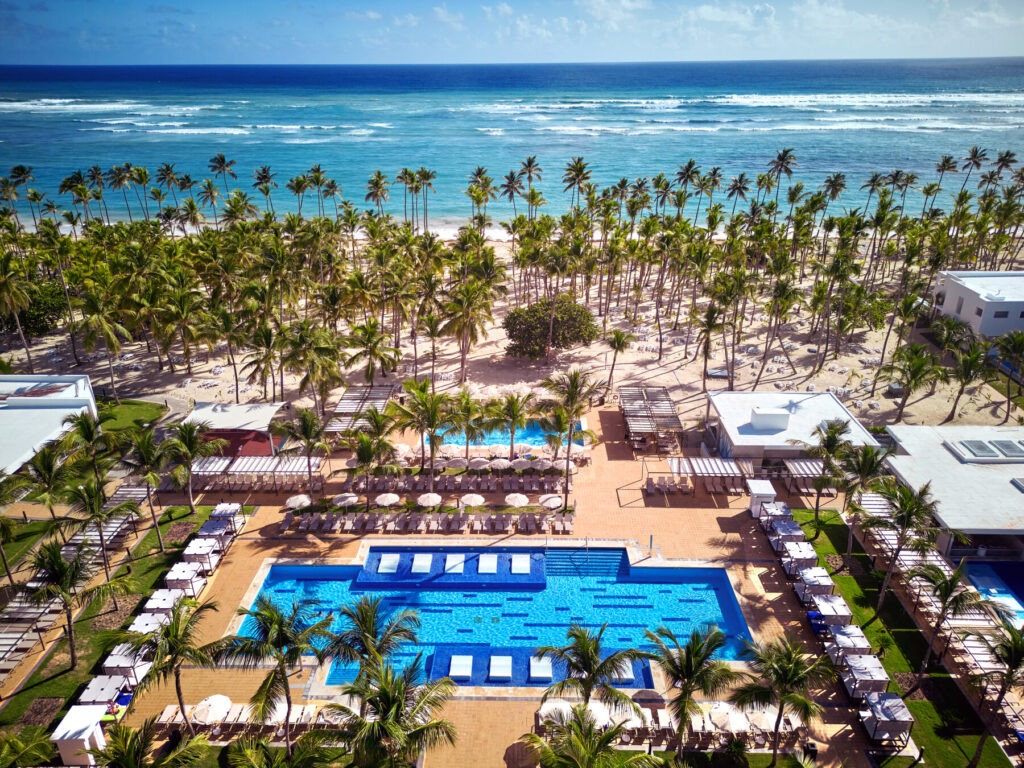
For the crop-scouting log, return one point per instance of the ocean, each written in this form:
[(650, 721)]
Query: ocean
[(625, 120)]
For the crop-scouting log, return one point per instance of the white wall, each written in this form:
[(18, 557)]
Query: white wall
[(959, 296)]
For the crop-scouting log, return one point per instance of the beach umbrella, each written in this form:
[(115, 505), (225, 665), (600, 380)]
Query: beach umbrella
[(401, 449), (764, 719), (479, 463), (541, 465), (472, 500), (386, 499), (516, 500), (576, 450), (450, 450), (429, 500), (345, 500), (439, 464), (551, 501), (212, 709), (520, 464), (298, 502), (599, 711), (457, 463), (726, 717), (522, 448), (499, 464), (555, 709)]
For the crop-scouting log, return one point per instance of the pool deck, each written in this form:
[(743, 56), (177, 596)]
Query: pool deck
[(611, 506)]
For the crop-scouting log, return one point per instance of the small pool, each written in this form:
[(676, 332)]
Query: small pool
[(533, 435), (524, 604), (1001, 582)]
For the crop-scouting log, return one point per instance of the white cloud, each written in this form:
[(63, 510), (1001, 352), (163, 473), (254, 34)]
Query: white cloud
[(738, 18), (613, 14), (500, 10), (453, 20), (363, 16), (408, 20)]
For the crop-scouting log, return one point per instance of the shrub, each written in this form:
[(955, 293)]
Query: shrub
[(527, 327)]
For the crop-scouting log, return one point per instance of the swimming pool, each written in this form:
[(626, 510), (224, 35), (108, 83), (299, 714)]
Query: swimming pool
[(533, 434), (512, 614), (1002, 583)]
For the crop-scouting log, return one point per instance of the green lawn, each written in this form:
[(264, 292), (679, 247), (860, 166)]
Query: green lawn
[(131, 413), (24, 539), (54, 678), (946, 725), (998, 383)]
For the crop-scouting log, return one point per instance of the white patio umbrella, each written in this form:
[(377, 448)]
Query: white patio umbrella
[(499, 464), (479, 463), (551, 501), (516, 500), (576, 450), (386, 499), (764, 719), (212, 709), (726, 717), (520, 464), (345, 500), (429, 500), (522, 448), (457, 463), (599, 711), (497, 450), (401, 449), (541, 465), (554, 709), (472, 500), (298, 502), (450, 449), (439, 464)]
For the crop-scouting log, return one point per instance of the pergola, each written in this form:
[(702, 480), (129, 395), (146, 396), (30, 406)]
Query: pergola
[(800, 473), (720, 475), (649, 410), (271, 472), (354, 401)]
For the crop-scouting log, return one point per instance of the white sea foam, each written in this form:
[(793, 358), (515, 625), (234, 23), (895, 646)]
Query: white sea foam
[(361, 132), (380, 125), (70, 106), (870, 100), (203, 131), (492, 131)]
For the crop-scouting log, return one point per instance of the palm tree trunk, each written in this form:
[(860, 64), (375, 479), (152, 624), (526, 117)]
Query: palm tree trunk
[(287, 714), (568, 458), (888, 577), (24, 343), (611, 373), (152, 514), (113, 382), (775, 736), (7, 567), (191, 498), (956, 402), (70, 626), (181, 701)]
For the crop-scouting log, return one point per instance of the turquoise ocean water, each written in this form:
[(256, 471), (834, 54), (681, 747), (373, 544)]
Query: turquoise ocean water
[(626, 120)]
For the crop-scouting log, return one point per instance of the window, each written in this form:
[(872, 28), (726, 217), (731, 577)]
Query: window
[(978, 311), (1001, 314), (1022, 315)]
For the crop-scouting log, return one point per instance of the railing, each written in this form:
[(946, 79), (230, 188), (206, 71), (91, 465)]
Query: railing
[(986, 553)]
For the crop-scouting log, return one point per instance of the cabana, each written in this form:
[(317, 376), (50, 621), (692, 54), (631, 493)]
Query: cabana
[(887, 718), (273, 473), (356, 400), (719, 475), (651, 418), (79, 731), (245, 426), (864, 674)]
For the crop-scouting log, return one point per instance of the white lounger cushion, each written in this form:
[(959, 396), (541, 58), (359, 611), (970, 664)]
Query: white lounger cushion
[(520, 564), (454, 563), (488, 564), (501, 668), (461, 668), (421, 563), (540, 668), (388, 563)]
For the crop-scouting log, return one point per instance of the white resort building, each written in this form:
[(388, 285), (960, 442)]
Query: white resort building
[(33, 410), (991, 303)]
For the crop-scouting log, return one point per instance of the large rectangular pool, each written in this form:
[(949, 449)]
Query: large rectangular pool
[(525, 603), (533, 434), (1001, 582)]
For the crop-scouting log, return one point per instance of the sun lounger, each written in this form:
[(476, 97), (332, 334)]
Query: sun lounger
[(487, 563), (501, 668), (388, 563), (461, 668), (540, 668), (520, 564), (286, 523), (454, 563), (421, 562)]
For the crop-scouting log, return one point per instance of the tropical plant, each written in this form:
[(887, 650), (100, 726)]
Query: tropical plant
[(913, 368), (89, 504), (50, 475), (969, 366), (308, 435), (1011, 352), (574, 392), (953, 596), (372, 348), (562, 320), (10, 485), (147, 459), (512, 411), (14, 297), (426, 412), (189, 442), (861, 468), (618, 341), (1006, 645), (315, 749), (577, 741), (30, 746), (369, 637), (128, 747), (830, 446)]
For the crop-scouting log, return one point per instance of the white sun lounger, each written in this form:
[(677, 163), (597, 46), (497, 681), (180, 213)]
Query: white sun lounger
[(388, 563), (501, 668), (454, 563), (461, 668), (421, 563), (520, 564), (488, 563), (540, 668)]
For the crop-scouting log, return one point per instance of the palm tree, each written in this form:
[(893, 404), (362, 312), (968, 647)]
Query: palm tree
[(66, 581), (861, 468), (691, 668), (279, 639), (8, 534), (588, 669), (576, 741), (512, 412), (87, 443), (101, 321), (1006, 646), (377, 191), (400, 720), (781, 675), (369, 452), (188, 443), (140, 748), (427, 413), (912, 520), (309, 434), (315, 749), (954, 599), (371, 346), (708, 324), (14, 297), (467, 312), (468, 417), (221, 166), (1011, 351), (147, 459), (913, 367), (28, 747), (969, 366), (90, 502), (830, 447), (49, 474), (371, 637), (173, 646), (574, 391), (619, 341)]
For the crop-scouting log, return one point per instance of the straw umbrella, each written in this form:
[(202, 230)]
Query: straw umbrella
[(457, 463), (541, 465), (521, 464), (499, 465)]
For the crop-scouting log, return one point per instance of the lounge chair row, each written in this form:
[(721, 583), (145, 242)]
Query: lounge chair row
[(239, 720), (457, 484), (666, 486), (404, 522)]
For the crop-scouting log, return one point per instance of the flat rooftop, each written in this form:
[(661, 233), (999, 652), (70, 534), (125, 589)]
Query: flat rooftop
[(991, 286), (255, 417), (801, 412), (976, 472), (32, 413)]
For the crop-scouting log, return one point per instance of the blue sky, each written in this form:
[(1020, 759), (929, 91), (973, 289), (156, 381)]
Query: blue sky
[(452, 31)]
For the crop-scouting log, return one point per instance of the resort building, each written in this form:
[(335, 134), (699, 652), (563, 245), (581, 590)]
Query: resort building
[(245, 426), (768, 428), (977, 478), (991, 303), (33, 410)]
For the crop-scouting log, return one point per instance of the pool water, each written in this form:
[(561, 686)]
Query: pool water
[(481, 614), (533, 434), (1002, 583)]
